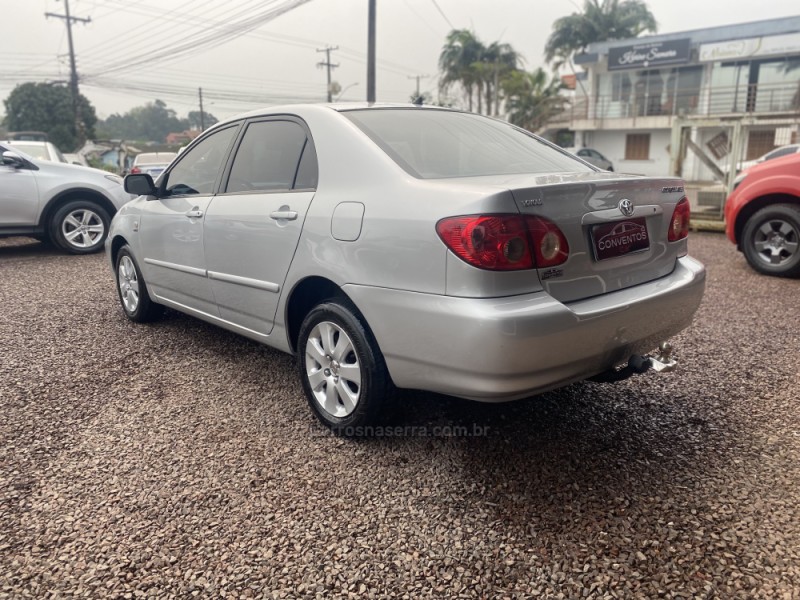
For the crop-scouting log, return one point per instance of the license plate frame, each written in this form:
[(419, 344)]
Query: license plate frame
[(620, 238)]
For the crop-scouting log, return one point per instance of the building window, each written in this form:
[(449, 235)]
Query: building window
[(637, 146), (759, 143)]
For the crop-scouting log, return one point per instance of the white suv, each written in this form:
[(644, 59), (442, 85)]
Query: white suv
[(67, 204)]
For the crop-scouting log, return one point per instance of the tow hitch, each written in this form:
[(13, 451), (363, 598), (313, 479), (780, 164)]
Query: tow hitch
[(661, 362)]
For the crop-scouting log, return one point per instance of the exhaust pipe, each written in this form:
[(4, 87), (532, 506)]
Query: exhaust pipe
[(661, 362)]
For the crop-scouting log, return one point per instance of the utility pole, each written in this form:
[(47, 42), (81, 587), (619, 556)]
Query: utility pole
[(417, 96), (371, 52), (329, 65), (73, 78), (202, 114)]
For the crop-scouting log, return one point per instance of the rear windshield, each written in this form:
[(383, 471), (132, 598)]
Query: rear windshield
[(155, 158), (35, 150), (432, 144)]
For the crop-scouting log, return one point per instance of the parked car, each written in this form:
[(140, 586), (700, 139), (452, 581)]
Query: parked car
[(762, 216), (593, 157), (772, 154), (69, 205), (152, 163), (76, 159), (39, 149), (414, 247)]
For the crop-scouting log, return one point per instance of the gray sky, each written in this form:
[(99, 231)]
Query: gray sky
[(276, 62)]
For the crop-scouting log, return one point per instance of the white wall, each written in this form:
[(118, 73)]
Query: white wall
[(611, 143)]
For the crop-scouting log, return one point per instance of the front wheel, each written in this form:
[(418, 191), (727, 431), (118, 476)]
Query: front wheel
[(771, 240), (132, 290), (342, 369), (80, 227)]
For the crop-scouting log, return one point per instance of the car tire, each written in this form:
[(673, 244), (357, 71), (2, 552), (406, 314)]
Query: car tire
[(132, 290), (771, 240), (342, 370), (80, 227)]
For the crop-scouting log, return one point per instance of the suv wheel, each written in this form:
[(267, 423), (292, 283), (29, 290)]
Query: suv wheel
[(80, 227), (771, 240)]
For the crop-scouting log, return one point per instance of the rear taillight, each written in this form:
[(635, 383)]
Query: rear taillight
[(135, 170), (504, 242), (679, 225)]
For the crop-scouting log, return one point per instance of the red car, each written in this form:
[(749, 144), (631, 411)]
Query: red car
[(762, 216)]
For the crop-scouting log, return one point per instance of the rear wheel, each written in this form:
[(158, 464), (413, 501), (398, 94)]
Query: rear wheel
[(132, 290), (341, 368), (771, 240), (80, 227)]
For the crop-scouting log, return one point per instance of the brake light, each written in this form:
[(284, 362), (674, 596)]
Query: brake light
[(135, 170), (549, 243), (504, 242), (679, 225)]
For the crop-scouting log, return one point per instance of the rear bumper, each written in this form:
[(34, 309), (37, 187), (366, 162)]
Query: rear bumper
[(505, 348)]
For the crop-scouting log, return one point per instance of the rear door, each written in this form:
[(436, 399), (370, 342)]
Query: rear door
[(616, 227), (253, 226)]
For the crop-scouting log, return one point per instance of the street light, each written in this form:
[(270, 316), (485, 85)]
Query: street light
[(344, 90)]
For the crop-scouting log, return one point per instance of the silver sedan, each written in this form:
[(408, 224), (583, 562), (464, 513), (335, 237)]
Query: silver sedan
[(410, 247)]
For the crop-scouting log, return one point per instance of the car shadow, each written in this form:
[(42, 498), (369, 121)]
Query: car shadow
[(21, 247)]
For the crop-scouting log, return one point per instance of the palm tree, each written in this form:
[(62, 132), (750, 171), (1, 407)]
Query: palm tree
[(461, 50), (600, 20), (478, 69), (532, 98), (497, 62)]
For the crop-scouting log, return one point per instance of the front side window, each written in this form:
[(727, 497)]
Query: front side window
[(432, 144), (269, 158), (198, 169)]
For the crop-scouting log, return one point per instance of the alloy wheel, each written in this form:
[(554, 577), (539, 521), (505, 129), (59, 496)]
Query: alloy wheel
[(776, 242), (333, 369), (83, 228), (128, 284)]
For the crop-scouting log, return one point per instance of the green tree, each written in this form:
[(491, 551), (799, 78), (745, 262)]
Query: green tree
[(600, 20), (461, 50), (477, 68), (151, 122), (532, 98), (46, 107), (194, 119)]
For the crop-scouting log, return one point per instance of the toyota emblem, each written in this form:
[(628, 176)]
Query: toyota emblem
[(626, 207)]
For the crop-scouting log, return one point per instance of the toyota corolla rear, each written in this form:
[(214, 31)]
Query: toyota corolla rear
[(554, 271)]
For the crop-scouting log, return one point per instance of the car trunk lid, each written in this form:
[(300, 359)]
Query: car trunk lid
[(616, 226)]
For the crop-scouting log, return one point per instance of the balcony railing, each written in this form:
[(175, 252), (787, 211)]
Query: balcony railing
[(744, 99)]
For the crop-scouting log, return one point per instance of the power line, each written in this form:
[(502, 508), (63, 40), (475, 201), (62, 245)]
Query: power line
[(210, 40), (441, 12)]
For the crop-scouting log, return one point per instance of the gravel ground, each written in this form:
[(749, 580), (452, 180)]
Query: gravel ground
[(177, 459)]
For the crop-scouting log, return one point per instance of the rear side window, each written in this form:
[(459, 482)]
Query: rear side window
[(432, 144), (273, 156)]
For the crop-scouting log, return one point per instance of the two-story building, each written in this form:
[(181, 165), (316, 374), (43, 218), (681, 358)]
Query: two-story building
[(693, 103)]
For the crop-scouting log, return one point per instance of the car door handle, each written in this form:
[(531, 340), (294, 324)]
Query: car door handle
[(283, 215), (195, 213)]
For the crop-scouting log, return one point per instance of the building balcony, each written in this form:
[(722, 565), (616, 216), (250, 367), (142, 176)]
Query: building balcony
[(658, 110)]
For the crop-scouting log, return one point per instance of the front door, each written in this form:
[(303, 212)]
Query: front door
[(19, 196), (171, 227), (253, 225)]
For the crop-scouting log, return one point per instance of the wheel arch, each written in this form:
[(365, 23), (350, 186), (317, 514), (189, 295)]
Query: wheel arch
[(116, 243), (756, 204), (70, 195), (304, 296)]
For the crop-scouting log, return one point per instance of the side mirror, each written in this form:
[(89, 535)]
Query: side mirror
[(140, 184), (12, 159)]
